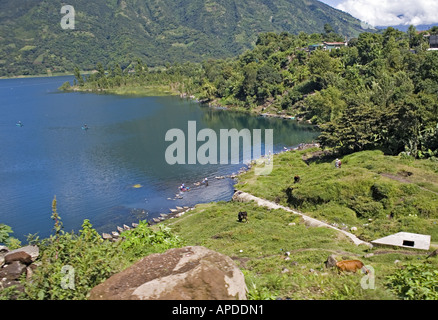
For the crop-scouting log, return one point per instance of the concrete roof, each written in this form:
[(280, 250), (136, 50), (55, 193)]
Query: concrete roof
[(406, 240)]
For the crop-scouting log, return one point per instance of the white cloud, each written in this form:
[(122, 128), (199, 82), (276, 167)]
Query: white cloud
[(392, 12)]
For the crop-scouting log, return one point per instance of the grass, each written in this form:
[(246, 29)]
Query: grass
[(375, 193), (259, 249), (349, 196)]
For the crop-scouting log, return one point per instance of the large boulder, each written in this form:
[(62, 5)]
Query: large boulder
[(32, 251), (190, 273), (20, 256)]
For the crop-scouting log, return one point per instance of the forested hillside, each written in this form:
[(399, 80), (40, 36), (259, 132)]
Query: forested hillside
[(380, 91), (32, 40)]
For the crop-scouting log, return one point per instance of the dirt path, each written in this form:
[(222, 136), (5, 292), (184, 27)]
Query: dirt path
[(246, 197)]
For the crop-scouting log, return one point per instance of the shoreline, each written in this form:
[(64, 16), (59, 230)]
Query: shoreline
[(167, 90), (180, 211), (214, 105), (43, 75)]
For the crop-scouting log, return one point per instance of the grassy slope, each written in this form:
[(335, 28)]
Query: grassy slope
[(368, 186), (269, 234)]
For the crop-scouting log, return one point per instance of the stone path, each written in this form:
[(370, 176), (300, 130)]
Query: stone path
[(241, 196)]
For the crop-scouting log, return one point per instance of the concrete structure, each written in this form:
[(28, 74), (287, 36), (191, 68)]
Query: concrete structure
[(405, 240)]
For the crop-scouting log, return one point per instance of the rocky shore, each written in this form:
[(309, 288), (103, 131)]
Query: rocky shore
[(179, 211), (16, 263)]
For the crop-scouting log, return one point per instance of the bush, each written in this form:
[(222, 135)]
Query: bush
[(5, 231), (366, 208), (415, 282), (90, 260), (6, 239)]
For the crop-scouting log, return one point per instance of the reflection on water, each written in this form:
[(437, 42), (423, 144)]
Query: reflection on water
[(94, 173)]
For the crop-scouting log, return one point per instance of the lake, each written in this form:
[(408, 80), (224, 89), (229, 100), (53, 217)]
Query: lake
[(93, 172)]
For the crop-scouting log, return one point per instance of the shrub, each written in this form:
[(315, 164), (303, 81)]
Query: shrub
[(415, 282), (366, 208), (4, 233)]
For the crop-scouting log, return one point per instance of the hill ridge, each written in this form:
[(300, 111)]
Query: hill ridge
[(158, 32)]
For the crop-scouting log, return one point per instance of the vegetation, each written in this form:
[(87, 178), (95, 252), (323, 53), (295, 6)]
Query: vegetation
[(415, 282), (279, 255), (260, 250), (87, 258), (155, 31), (359, 96), (377, 194), (374, 100)]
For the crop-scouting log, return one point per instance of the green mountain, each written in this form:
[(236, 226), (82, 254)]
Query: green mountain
[(156, 31)]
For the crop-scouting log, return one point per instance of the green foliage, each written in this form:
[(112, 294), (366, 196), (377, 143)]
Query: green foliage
[(156, 32), (139, 240), (360, 95), (415, 282), (70, 265), (386, 189), (5, 231)]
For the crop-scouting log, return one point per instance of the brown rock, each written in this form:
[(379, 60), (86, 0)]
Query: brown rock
[(12, 271), (20, 256), (33, 251), (191, 273)]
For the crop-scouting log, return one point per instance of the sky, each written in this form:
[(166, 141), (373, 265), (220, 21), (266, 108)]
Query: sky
[(389, 12)]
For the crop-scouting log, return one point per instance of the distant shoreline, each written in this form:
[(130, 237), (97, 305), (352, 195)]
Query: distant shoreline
[(45, 75)]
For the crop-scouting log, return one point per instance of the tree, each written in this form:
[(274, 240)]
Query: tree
[(326, 105), (78, 77), (328, 28), (369, 46), (320, 63), (250, 80), (414, 37), (357, 129)]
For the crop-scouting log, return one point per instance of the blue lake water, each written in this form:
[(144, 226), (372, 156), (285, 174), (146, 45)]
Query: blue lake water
[(92, 172)]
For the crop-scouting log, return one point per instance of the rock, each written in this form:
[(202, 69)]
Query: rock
[(20, 256), (190, 273), (4, 249), (353, 229), (5, 283), (331, 261), (285, 270), (12, 271), (33, 251), (107, 236)]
